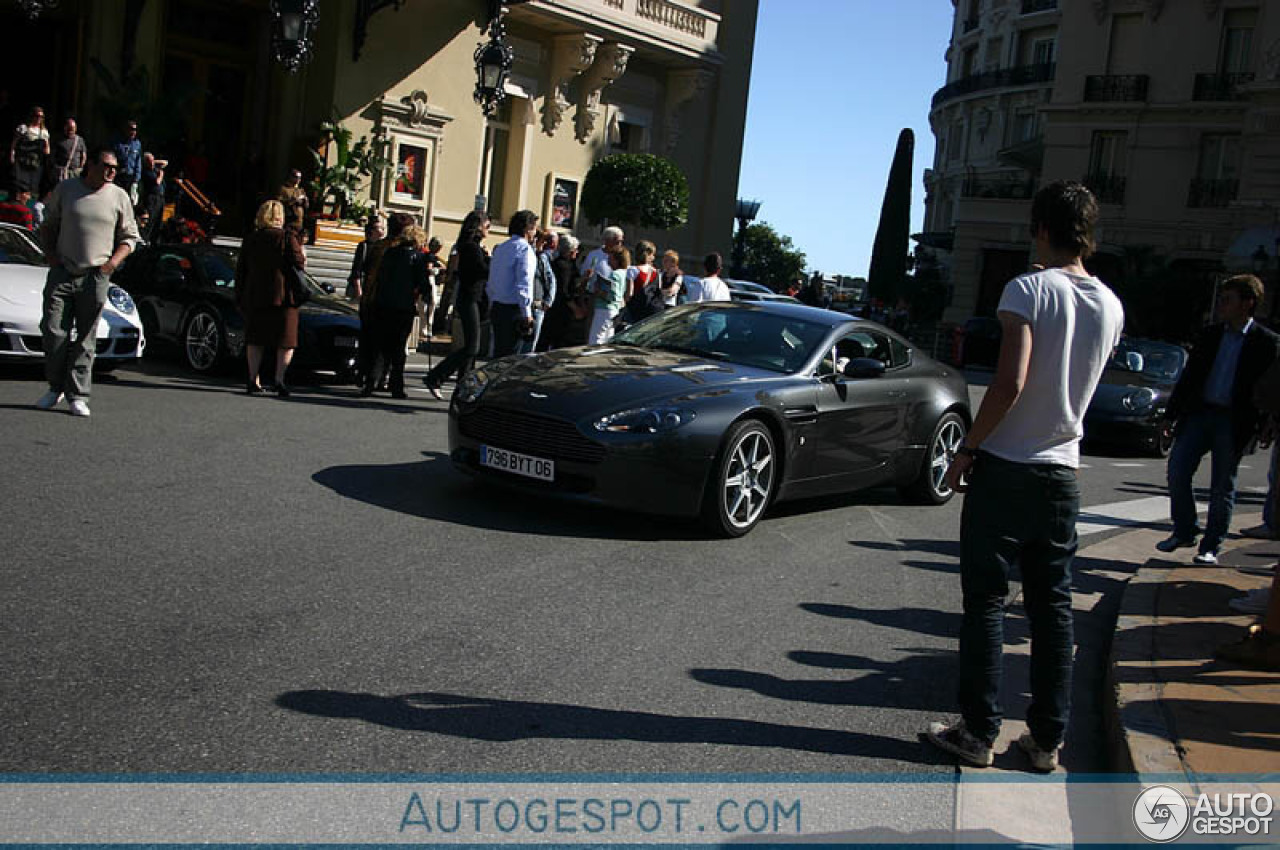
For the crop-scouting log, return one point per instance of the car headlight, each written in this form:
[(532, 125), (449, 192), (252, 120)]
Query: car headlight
[(1138, 400), (645, 420), (472, 386), (120, 299)]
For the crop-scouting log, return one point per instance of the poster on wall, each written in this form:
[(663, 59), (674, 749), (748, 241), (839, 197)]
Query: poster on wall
[(410, 174), (562, 201)]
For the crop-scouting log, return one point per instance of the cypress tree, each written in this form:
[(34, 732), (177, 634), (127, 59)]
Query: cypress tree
[(889, 253)]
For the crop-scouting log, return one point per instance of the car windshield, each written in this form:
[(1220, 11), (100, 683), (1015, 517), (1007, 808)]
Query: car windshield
[(16, 249), (749, 337), (1160, 360), (220, 268)]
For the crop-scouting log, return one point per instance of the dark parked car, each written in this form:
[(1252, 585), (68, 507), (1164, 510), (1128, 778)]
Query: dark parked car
[(186, 294), (717, 409), (981, 342), (742, 290), (1129, 405)]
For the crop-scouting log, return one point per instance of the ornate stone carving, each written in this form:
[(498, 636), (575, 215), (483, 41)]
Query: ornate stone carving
[(682, 88), (1100, 9), (571, 55), (610, 64), (418, 108)]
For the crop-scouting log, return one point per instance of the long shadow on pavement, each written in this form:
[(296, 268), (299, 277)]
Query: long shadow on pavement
[(488, 719)]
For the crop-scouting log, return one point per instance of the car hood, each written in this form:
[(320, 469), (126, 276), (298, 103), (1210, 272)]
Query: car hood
[(325, 307), (22, 289), (579, 382), (1109, 396)]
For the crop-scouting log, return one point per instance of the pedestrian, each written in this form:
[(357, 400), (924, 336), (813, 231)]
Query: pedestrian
[(294, 200), (367, 361), (643, 272), (672, 281), (1018, 468), (608, 294), (29, 150), (597, 259), (267, 258), (129, 154), (815, 293), (69, 152), (659, 294), (17, 209), (560, 327), (544, 289), (398, 279), (375, 229), (435, 269), (711, 287), (88, 232), (1213, 408), (510, 287), (151, 195), (473, 271)]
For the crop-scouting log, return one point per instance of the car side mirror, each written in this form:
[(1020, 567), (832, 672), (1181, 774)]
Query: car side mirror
[(863, 367), (1133, 361)]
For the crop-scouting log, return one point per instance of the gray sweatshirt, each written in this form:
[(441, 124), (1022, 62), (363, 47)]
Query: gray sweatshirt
[(84, 227)]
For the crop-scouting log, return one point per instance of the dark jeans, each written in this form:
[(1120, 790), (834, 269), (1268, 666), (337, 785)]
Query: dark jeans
[(1017, 513), (1197, 434), (506, 333), (463, 359), (72, 302), (391, 330)]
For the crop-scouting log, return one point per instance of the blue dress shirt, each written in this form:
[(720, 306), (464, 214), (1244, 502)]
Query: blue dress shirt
[(511, 274)]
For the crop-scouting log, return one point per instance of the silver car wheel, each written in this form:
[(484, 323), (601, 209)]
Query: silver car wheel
[(945, 443), (748, 479), (203, 340)]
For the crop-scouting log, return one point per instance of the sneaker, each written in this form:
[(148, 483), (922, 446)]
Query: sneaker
[(1259, 532), (958, 741), (1174, 542), (1253, 602), (1257, 650), (49, 400), (79, 407), (1208, 557), (1045, 761)]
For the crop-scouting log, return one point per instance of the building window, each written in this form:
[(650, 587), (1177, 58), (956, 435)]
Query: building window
[(1237, 41), (493, 160), (628, 137), (955, 141), (1042, 51), (995, 47), (967, 62), (1217, 177), (1107, 158), (1025, 127)]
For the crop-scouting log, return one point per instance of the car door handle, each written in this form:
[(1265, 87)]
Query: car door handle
[(805, 415)]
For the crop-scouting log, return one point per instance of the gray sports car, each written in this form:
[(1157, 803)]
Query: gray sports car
[(717, 409)]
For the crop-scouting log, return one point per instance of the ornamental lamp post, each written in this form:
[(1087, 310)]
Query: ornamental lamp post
[(745, 212), (493, 62), (293, 27)]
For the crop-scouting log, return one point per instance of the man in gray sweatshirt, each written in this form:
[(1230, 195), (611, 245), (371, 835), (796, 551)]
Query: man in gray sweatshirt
[(88, 231)]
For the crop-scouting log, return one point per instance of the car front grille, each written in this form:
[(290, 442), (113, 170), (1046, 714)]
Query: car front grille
[(33, 343), (530, 433), (127, 343)]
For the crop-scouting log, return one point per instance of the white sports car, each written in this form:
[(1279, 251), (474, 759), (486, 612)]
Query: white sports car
[(22, 275)]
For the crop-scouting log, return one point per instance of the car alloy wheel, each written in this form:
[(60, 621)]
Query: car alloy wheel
[(1162, 444), (931, 485), (202, 342), (745, 478)]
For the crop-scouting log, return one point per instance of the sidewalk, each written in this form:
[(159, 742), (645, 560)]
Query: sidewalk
[(1176, 709)]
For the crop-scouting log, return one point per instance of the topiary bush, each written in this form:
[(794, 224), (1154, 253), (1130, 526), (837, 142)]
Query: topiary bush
[(639, 189)]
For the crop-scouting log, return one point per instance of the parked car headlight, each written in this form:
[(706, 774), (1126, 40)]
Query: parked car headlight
[(120, 299), (473, 386), (645, 420), (1138, 400)]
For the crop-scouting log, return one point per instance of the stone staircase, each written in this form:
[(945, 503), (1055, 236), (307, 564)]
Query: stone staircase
[(327, 264)]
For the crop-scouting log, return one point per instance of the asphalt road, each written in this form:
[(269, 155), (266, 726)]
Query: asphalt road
[(197, 580)]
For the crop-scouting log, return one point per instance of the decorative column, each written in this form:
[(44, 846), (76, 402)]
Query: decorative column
[(610, 64), (682, 88), (570, 56)]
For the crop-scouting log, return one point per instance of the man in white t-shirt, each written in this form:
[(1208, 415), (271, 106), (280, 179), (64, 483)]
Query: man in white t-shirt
[(1018, 468), (597, 261), (711, 287)]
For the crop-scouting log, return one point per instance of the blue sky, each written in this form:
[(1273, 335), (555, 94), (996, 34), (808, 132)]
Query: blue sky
[(832, 84)]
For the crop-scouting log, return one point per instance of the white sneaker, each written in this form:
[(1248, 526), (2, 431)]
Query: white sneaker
[(49, 400), (1045, 761), (1253, 602), (79, 407), (1208, 557)]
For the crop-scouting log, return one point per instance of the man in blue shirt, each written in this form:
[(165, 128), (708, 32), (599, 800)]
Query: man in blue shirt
[(129, 155), (1215, 415), (510, 287)]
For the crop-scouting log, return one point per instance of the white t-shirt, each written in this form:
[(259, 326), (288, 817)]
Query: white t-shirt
[(709, 289), (1075, 325)]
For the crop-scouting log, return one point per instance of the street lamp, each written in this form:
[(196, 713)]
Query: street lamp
[(745, 213), (493, 61), (293, 24)]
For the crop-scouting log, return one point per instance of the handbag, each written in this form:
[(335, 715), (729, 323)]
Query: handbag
[(296, 290)]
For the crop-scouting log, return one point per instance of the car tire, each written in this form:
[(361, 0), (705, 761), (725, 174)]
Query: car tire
[(743, 480), (204, 341), (1162, 443), (930, 484)]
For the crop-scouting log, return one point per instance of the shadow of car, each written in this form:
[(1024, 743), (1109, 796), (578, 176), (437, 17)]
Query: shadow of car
[(23, 271), (186, 295), (1128, 407)]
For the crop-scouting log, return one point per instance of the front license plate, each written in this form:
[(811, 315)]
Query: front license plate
[(526, 465), (346, 342)]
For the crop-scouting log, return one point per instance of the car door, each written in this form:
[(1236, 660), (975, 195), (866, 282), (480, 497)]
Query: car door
[(174, 282), (860, 420), (137, 277)]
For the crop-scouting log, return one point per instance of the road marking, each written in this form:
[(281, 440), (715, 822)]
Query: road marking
[(1127, 465), (1099, 518)]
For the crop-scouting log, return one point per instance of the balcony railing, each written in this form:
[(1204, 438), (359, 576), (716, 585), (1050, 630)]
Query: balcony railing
[(671, 15), (1112, 87), (1109, 188), (1031, 6), (1220, 86), (1000, 188), (1023, 75), (970, 24), (1212, 193)]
